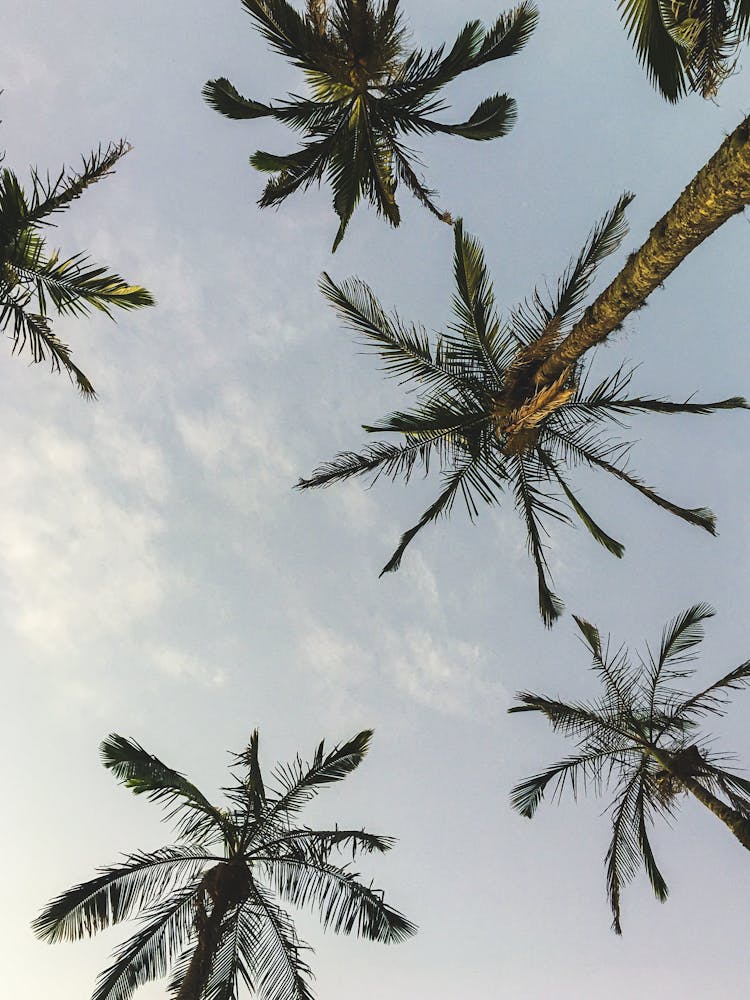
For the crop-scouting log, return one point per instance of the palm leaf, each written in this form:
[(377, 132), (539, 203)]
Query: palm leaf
[(656, 50), (474, 475), (493, 119), (224, 97), (624, 857), (273, 950), (148, 954), (116, 893), (343, 904), (509, 34), (145, 774), (583, 768)]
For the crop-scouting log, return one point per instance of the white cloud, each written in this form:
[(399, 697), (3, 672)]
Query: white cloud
[(240, 446), (443, 673), (79, 553), (439, 672), (177, 664)]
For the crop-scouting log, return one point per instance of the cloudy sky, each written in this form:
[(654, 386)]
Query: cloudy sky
[(160, 578)]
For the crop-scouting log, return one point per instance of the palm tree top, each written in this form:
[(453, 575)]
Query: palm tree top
[(367, 88), (35, 281), (642, 739), (483, 417), (230, 862), (687, 44)]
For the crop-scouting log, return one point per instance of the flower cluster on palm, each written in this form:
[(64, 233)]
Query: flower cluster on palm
[(641, 737), (213, 918), (687, 44), (484, 416), (367, 91), (32, 278)]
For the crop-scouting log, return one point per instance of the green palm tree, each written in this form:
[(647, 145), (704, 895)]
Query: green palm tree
[(367, 89), (479, 415), (641, 738), (208, 904), (687, 44), (34, 280)]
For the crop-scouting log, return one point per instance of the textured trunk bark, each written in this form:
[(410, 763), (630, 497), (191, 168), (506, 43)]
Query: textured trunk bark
[(718, 191), (318, 13), (731, 818), (736, 822), (358, 18), (199, 969), (225, 885)]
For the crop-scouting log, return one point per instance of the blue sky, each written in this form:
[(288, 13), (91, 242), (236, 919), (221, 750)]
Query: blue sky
[(159, 577)]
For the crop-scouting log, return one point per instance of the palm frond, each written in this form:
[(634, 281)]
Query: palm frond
[(49, 196), (148, 954), (73, 286), (274, 952), (474, 304), (224, 97), (344, 904), (532, 504), (35, 332), (624, 857), (581, 769), (117, 892), (575, 719), (598, 533), (586, 452), (299, 782), (492, 119), (285, 30), (713, 699), (472, 476), (509, 34), (145, 774), (656, 50)]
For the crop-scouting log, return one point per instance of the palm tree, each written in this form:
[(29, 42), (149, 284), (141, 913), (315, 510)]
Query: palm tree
[(33, 279), (687, 44), (480, 416), (367, 89), (641, 737), (208, 904)]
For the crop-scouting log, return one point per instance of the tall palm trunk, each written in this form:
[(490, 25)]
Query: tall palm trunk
[(318, 13), (226, 885), (199, 970), (679, 766), (718, 191), (736, 822)]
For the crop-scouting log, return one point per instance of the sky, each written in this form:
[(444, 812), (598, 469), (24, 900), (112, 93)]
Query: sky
[(160, 578)]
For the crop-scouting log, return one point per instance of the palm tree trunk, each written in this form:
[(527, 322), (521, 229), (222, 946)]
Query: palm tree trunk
[(678, 765), (718, 191), (318, 13), (199, 970), (736, 822)]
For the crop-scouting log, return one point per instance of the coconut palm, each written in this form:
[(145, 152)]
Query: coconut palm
[(35, 280), (479, 415), (209, 905), (367, 90), (687, 44), (642, 739)]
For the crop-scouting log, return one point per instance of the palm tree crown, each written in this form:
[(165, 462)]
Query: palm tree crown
[(687, 44), (367, 89), (212, 917), (641, 737), (33, 279), (481, 414)]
